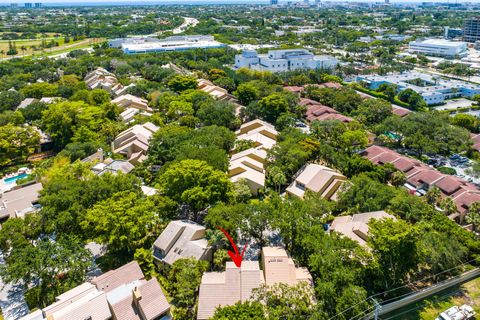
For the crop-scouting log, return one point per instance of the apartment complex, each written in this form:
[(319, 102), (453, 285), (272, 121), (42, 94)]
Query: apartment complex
[(317, 178), (133, 142), (317, 111), (119, 294), (471, 29), (181, 239), (284, 60), (420, 177), (433, 89), (439, 47), (355, 227), (236, 284), (248, 165)]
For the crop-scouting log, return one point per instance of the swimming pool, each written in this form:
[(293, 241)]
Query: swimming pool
[(15, 178)]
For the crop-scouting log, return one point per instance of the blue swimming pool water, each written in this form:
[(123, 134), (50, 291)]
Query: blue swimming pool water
[(15, 178)]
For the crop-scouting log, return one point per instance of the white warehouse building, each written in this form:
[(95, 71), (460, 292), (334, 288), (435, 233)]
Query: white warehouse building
[(439, 48), (283, 60), (173, 43)]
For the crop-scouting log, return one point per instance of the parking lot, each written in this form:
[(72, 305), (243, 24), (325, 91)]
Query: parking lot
[(455, 104)]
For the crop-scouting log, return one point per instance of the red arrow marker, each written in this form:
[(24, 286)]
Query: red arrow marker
[(237, 258)]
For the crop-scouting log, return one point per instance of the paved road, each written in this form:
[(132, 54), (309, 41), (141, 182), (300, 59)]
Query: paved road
[(421, 295), (12, 301)]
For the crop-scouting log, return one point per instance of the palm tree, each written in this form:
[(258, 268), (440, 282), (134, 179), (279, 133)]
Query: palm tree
[(216, 239), (433, 195), (449, 207), (473, 215)]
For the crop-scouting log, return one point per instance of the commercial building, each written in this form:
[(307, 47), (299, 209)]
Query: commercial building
[(471, 29), (118, 294), (133, 142), (420, 177), (451, 33), (283, 60), (219, 289), (433, 89), (316, 178), (173, 43), (181, 239), (356, 227), (248, 165), (439, 47)]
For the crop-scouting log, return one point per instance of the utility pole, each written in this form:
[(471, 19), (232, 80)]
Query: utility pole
[(378, 307)]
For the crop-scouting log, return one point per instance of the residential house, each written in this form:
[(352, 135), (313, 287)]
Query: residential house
[(278, 267), (130, 296), (261, 133), (420, 177), (248, 165), (218, 93), (133, 142), (317, 111), (181, 239), (121, 294), (102, 79), (25, 103), (228, 287), (355, 227), (219, 289), (82, 302), (103, 165), (18, 202), (319, 179), (131, 101)]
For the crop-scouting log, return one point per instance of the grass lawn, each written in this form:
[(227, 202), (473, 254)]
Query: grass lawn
[(468, 293), (63, 47)]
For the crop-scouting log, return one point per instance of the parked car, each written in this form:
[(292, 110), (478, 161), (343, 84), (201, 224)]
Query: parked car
[(464, 312)]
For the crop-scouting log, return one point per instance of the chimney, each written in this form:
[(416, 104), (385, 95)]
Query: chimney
[(137, 295)]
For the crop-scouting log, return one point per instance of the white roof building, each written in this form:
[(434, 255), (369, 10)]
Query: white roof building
[(319, 179), (284, 60), (433, 89), (173, 43), (181, 239), (439, 47)]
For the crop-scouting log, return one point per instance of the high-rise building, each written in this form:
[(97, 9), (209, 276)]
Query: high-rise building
[(13, 5), (471, 29), (387, 1), (273, 2), (28, 5), (38, 4), (307, 2)]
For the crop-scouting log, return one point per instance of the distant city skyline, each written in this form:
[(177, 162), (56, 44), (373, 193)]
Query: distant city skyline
[(197, 2)]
